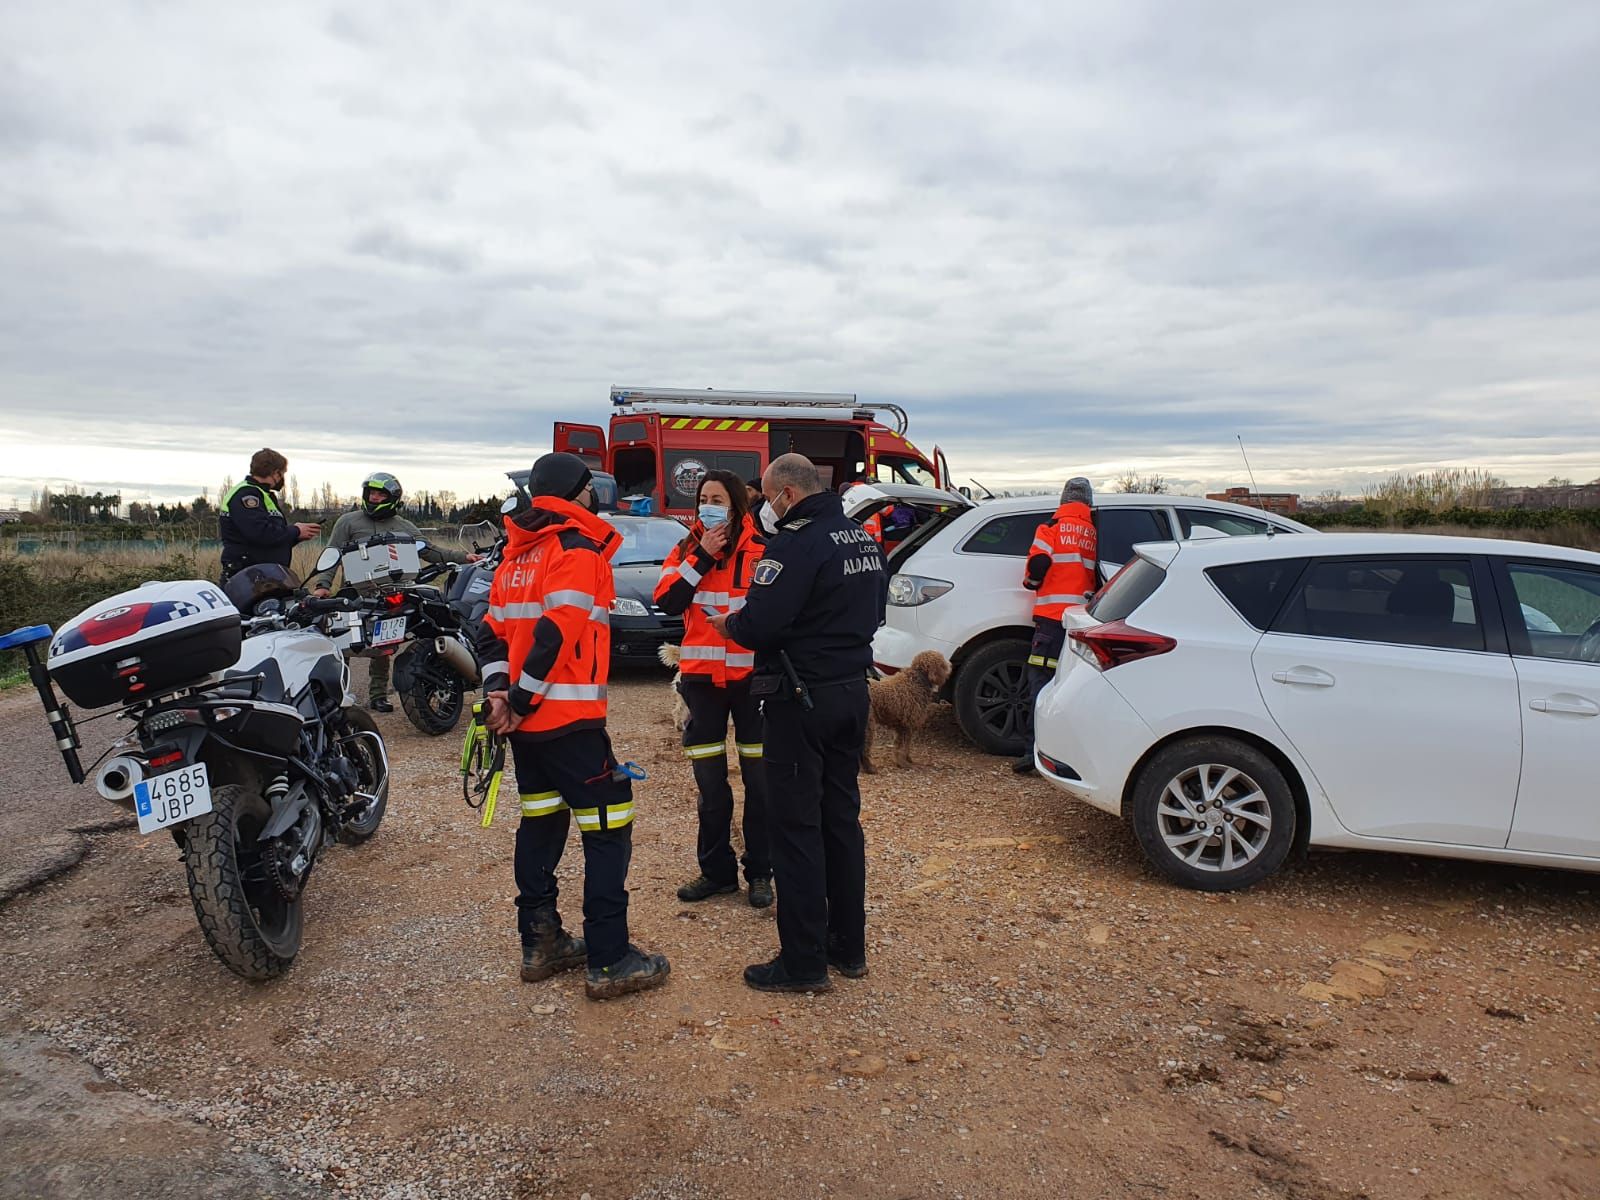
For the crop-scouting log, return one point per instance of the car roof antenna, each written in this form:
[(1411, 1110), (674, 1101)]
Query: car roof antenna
[(986, 491), (1270, 528)]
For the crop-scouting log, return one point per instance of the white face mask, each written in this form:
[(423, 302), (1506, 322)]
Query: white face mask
[(769, 517), (713, 514)]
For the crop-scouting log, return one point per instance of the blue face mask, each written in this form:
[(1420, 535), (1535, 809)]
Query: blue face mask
[(713, 514)]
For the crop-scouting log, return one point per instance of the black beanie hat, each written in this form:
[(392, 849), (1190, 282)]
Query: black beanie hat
[(560, 474)]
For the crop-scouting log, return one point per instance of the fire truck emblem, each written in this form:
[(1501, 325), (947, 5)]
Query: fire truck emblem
[(686, 477)]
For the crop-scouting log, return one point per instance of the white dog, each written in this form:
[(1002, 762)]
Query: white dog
[(672, 656)]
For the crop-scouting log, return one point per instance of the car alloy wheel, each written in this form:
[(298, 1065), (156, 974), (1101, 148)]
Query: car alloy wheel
[(1214, 818)]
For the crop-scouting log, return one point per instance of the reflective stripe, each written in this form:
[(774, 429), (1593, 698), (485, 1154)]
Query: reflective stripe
[(1052, 663), (737, 659), (575, 691), (1073, 558), (1041, 544), (1036, 660), (751, 749), (523, 610), (600, 616), (542, 804), (569, 599), (704, 751), (617, 815), (1083, 599), (689, 575), (496, 668), (704, 653), (718, 598), (528, 683)]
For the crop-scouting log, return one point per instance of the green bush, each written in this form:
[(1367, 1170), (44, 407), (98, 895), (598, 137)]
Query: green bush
[(1579, 527)]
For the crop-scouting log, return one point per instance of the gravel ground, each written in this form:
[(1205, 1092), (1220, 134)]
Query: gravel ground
[(1043, 1018)]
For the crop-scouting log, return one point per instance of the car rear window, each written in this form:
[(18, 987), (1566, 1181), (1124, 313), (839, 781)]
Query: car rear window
[(1257, 589), (1010, 535), (1128, 589)]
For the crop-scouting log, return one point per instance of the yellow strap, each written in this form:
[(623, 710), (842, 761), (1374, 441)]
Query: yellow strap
[(489, 801)]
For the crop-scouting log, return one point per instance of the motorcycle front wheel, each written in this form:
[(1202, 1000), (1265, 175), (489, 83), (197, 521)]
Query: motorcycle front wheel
[(247, 920), (435, 695), (374, 778)]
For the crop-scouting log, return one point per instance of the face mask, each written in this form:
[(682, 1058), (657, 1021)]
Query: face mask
[(593, 502), (713, 514), (769, 517)]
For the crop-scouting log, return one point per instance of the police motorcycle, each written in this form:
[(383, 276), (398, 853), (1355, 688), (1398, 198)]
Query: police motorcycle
[(434, 663), (246, 746)]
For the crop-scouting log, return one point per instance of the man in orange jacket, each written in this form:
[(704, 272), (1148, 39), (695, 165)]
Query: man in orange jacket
[(546, 650), (1062, 570)]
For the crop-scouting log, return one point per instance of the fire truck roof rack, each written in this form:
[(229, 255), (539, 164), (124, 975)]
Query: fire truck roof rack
[(823, 403)]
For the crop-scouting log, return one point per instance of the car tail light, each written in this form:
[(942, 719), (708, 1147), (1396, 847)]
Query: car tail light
[(1117, 642)]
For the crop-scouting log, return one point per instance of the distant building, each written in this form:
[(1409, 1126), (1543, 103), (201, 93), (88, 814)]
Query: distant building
[(1582, 495), (10, 516), (1285, 504)]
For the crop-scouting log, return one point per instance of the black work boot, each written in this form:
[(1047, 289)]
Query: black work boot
[(380, 704), (774, 977), (761, 893), (700, 888), (851, 966), (553, 951), (635, 971), (1023, 765)]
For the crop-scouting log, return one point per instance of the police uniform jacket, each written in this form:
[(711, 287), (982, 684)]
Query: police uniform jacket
[(253, 528), (818, 594)]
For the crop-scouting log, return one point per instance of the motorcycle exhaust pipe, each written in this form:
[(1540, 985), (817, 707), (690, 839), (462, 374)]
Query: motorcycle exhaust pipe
[(458, 657), (116, 780)]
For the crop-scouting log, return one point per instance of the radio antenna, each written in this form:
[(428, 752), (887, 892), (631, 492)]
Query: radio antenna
[(1247, 469)]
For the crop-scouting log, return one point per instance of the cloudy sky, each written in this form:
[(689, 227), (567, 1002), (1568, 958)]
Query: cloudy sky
[(1068, 237)]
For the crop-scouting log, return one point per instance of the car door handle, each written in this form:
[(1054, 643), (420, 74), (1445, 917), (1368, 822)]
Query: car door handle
[(1303, 677), (1574, 706)]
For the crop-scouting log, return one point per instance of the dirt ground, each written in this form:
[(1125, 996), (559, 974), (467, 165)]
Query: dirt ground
[(1043, 1018)]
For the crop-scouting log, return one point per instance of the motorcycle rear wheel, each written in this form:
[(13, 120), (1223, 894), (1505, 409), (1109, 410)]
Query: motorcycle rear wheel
[(435, 696), (247, 921)]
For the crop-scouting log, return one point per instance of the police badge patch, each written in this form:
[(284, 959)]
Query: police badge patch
[(251, 502), (767, 571)]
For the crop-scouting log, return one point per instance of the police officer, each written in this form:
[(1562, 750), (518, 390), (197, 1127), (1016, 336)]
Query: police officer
[(1061, 570), (252, 526), (381, 501), (816, 599)]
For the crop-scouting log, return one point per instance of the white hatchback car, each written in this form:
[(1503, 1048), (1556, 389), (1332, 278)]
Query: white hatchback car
[(957, 588), (1235, 700)]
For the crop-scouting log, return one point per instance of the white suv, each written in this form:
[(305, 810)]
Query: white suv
[(1237, 700), (957, 587)]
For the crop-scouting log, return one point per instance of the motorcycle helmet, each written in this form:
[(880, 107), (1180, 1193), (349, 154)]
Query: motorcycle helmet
[(382, 481), (264, 581)]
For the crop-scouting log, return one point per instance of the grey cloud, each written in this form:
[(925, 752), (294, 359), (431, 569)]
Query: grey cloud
[(395, 246)]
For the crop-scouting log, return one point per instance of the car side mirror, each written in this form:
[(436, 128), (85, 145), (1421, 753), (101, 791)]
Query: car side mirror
[(509, 507), (328, 559)]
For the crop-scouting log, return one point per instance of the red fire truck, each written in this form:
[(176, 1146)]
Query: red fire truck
[(662, 441)]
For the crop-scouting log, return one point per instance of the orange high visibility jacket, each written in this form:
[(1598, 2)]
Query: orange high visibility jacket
[(1061, 562), (693, 583), (874, 526), (547, 636)]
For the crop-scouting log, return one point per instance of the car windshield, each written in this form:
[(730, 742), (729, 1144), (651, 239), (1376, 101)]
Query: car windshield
[(647, 540)]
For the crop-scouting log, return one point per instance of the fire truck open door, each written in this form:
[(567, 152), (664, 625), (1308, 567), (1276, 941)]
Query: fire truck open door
[(588, 442)]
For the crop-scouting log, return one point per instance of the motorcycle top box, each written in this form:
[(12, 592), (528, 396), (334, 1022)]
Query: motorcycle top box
[(378, 565), (153, 639)]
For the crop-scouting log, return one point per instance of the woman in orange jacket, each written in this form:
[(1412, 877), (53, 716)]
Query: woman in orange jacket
[(707, 575)]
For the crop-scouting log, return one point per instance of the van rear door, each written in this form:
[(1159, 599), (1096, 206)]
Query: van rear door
[(588, 442)]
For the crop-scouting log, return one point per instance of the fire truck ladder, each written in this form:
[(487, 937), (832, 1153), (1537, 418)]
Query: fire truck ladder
[(823, 403)]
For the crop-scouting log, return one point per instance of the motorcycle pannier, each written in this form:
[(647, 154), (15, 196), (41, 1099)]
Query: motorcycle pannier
[(153, 639), (389, 564)]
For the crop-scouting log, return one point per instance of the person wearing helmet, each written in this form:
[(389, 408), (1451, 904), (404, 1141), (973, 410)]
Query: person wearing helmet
[(545, 646), (1062, 571), (381, 501)]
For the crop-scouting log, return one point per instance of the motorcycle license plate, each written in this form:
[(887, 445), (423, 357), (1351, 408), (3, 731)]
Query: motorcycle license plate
[(173, 798), (388, 631)]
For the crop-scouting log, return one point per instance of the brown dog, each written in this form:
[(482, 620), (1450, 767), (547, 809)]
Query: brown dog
[(903, 703)]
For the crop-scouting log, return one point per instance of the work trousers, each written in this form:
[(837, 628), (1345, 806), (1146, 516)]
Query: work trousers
[(560, 780), (819, 854), (378, 672), (1049, 638), (710, 708)]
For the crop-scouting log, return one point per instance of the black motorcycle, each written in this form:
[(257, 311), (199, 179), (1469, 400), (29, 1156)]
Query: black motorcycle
[(246, 745), (434, 664)]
